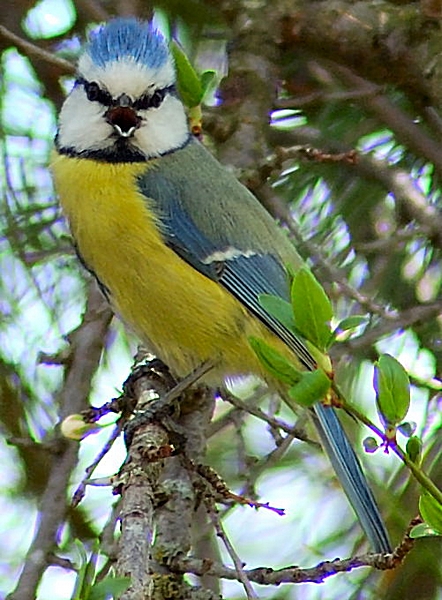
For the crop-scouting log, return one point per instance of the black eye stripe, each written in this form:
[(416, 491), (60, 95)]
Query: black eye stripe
[(96, 94), (153, 100), (148, 101)]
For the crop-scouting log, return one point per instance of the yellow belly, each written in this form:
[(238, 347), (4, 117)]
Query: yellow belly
[(185, 317)]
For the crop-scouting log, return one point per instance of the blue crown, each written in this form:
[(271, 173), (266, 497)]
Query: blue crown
[(127, 38)]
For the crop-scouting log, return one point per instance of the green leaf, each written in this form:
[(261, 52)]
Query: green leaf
[(114, 586), (312, 387), (278, 308), (347, 324), (392, 388), (351, 322), (312, 309), (275, 363), (414, 448), (422, 530), (431, 511), (189, 84), (206, 79)]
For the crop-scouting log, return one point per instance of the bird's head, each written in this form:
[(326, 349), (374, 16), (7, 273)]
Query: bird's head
[(124, 105)]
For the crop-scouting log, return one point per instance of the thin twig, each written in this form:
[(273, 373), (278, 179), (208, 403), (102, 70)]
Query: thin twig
[(59, 561), (187, 382), (293, 430), (267, 462), (406, 318), (239, 565), (81, 489), (394, 241)]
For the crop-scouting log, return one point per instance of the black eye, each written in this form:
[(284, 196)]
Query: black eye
[(92, 91), (157, 98)]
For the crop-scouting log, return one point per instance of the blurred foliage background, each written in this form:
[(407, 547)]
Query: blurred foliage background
[(300, 86)]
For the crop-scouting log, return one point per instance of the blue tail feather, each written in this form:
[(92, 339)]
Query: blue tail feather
[(349, 472)]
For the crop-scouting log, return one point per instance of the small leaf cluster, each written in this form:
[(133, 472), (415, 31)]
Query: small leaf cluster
[(305, 387), (307, 316), (392, 388), (192, 87)]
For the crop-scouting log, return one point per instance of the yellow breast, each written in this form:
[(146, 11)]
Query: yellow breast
[(184, 316)]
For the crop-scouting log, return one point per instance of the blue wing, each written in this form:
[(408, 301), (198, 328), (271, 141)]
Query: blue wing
[(247, 275)]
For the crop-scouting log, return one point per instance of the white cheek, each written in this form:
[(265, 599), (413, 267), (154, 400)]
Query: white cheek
[(82, 123), (162, 129)]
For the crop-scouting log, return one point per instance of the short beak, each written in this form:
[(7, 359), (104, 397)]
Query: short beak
[(123, 119)]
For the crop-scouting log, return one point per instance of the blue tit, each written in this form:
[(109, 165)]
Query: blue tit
[(181, 248)]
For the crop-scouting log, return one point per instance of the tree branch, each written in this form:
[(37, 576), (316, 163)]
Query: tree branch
[(317, 574), (138, 485), (34, 51)]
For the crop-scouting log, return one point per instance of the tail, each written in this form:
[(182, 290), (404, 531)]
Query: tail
[(349, 472)]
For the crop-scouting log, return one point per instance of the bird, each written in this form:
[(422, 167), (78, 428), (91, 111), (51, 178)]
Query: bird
[(181, 249)]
